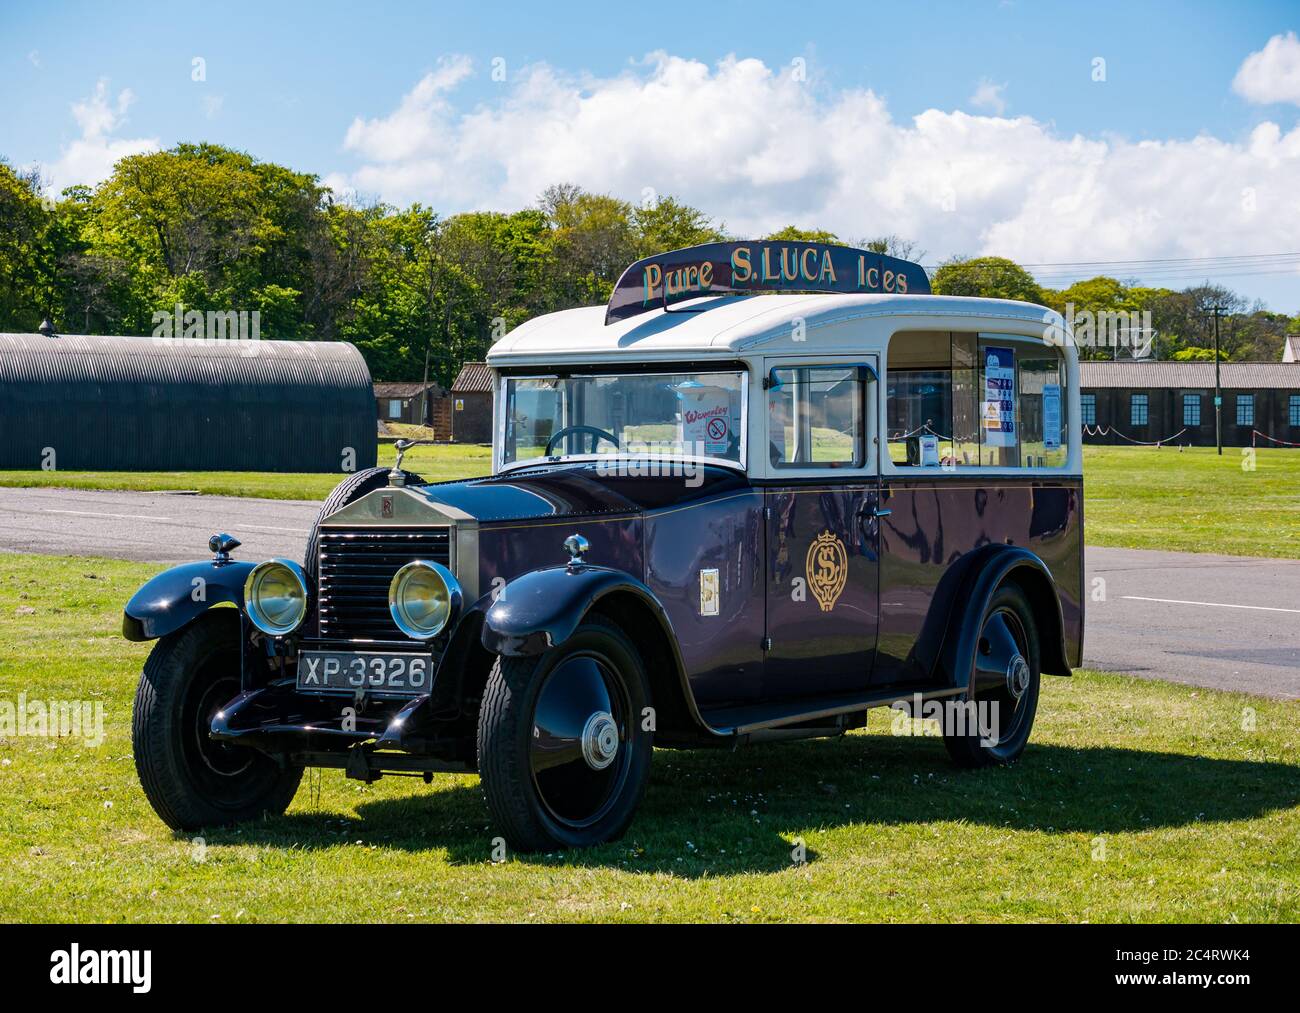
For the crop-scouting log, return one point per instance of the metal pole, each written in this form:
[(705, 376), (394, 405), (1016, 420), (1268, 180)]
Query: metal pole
[(1218, 390)]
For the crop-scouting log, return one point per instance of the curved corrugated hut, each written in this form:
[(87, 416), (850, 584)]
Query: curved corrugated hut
[(152, 404)]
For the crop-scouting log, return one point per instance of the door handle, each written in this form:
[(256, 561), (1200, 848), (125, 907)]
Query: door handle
[(869, 520)]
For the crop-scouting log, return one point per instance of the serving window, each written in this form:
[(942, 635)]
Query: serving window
[(962, 399)]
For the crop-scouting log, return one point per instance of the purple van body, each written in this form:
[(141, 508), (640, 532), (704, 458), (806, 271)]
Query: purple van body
[(765, 643)]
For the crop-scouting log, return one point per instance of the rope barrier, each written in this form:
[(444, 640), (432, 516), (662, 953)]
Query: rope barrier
[(920, 429), (1255, 434), (1111, 430), (1272, 439)]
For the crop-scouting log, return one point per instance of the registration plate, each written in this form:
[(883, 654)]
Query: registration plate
[(365, 671)]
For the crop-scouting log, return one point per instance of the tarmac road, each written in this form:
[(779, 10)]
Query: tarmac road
[(149, 526), (1222, 622), (1225, 622)]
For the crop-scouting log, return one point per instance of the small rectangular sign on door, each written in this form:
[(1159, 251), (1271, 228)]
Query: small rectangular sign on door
[(709, 592)]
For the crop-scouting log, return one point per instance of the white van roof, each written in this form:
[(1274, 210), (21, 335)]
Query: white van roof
[(722, 327)]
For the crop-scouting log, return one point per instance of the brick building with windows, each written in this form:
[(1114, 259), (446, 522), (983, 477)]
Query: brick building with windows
[(1150, 401)]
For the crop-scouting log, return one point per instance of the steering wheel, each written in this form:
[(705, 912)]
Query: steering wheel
[(592, 431)]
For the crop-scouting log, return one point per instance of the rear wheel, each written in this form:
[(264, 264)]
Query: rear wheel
[(1003, 685), (190, 780), (563, 756)]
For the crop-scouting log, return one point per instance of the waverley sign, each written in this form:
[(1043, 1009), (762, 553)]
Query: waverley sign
[(759, 266)]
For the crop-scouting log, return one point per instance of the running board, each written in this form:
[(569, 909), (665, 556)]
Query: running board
[(741, 721)]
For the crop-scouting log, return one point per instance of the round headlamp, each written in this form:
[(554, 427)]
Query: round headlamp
[(275, 596), (423, 598)]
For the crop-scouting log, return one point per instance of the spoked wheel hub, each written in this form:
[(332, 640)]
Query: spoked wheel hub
[(580, 727), (1002, 697), (600, 740), (1018, 676), (219, 758), (1002, 672)]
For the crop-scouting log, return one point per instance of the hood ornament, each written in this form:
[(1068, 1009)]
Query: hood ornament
[(395, 477)]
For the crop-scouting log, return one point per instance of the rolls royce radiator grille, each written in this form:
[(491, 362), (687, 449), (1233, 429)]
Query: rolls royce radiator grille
[(356, 567)]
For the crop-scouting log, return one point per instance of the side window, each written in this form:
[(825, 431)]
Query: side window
[(1041, 405), (1137, 409), (815, 417), (1245, 409), (1191, 409), (394, 409), (960, 399), (1088, 409), (1293, 410)]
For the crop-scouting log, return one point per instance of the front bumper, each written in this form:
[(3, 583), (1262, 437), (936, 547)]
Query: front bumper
[(365, 734)]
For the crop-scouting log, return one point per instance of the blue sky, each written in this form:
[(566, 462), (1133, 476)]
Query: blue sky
[(1008, 89)]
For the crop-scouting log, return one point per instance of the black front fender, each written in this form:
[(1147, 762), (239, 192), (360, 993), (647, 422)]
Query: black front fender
[(177, 596), (543, 608)]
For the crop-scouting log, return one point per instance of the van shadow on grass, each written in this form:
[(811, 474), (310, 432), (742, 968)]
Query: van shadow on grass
[(710, 813)]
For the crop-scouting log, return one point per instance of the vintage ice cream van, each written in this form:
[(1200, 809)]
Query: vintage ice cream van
[(768, 487)]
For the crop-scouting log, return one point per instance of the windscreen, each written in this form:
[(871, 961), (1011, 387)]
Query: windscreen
[(681, 414)]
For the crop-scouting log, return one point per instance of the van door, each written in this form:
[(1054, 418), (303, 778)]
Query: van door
[(822, 531)]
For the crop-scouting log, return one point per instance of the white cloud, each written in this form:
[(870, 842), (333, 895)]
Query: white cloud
[(418, 124), (34, 58), (1273, 73), (96, 115), (759, 150), (989, 96), (91, 157)]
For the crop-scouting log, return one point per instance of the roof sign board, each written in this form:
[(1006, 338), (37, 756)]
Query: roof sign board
[(758, 266)]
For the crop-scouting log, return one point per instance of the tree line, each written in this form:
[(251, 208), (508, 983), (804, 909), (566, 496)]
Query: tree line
[(213, 229), (1181, 323)]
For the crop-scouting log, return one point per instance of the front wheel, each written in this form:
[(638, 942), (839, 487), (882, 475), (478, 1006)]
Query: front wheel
[(563, 751), (190, 780), (1003, 686)]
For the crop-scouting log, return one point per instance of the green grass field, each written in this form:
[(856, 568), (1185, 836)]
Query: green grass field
[(1194, 500), (1135, 801), (1135, 497)]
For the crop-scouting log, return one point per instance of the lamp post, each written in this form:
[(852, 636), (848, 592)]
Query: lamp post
[(1218, 389)]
